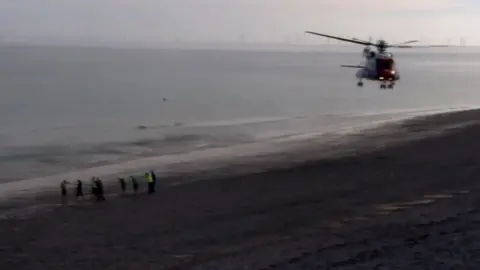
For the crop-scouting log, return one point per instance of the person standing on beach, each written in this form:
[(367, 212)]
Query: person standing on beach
[(135, 184), (80, 189), (100, 190), (154, 176), (94, 187), (63, 188), (151, 184), (123, 184)]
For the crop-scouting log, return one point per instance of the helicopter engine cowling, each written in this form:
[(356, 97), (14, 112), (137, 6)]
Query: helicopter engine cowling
[(366, 51)]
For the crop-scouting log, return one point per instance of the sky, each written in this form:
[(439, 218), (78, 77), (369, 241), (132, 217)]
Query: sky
[(157, 21)]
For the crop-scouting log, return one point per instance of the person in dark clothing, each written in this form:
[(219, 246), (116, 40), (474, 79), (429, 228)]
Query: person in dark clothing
[(80, 189), (100, 190), (135, 184), (94, 187), (63, 189), (154, 177), (154, 180), (123, 184)]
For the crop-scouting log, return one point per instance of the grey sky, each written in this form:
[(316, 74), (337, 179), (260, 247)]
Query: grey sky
[(151, 21)]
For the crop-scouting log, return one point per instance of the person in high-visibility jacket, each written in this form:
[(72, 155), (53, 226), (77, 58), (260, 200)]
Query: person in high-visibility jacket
[(151, 183)]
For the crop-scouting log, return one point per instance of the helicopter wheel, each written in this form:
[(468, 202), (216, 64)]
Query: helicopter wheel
[(383, 86), (360, 84), (390, 86)]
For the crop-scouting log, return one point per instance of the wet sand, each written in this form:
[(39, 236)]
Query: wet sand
[(402, 197)]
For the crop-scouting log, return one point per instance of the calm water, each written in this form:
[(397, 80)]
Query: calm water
[(65, 109)]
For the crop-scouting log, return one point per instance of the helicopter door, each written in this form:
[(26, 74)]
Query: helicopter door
[(384, 64)]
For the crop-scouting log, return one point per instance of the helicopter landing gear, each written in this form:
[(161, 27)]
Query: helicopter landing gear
[(359, 83), (385, 85)]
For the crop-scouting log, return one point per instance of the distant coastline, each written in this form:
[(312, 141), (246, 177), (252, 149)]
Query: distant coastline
[(232, 46)]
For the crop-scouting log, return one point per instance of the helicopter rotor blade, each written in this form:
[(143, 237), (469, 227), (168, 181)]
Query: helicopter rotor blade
[(404, 43), (356, 39), (419, 46), (341, 39)]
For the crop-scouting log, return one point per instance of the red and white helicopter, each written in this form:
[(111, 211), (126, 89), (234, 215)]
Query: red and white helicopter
[(377, 66)]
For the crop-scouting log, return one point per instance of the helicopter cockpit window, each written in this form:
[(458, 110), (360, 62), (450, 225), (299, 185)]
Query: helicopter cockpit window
[(383, 64)]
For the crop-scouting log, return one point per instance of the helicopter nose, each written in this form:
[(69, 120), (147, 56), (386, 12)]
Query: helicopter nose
[(387, 74)]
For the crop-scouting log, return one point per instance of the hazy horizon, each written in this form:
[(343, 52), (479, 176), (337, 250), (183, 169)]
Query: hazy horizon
[(237, 46), (150, 22)]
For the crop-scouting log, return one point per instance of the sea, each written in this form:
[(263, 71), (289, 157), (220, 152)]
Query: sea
[(70, 109)]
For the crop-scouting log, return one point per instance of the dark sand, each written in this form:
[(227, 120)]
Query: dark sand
[(409, 204)]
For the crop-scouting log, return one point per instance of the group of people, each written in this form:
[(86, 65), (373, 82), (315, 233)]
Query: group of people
[(98, 190)]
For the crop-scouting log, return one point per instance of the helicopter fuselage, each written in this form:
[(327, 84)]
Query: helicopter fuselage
[(378, 67)]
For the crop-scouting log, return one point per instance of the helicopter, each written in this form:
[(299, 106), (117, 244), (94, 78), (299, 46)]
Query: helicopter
[(377, 66)]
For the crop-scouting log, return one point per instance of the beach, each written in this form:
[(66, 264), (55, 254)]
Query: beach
[(402, 196)]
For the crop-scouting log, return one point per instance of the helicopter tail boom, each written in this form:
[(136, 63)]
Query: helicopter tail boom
[(352, 66)]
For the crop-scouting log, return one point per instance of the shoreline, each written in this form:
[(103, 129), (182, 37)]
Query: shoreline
[(225, 161), (381, 196)]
